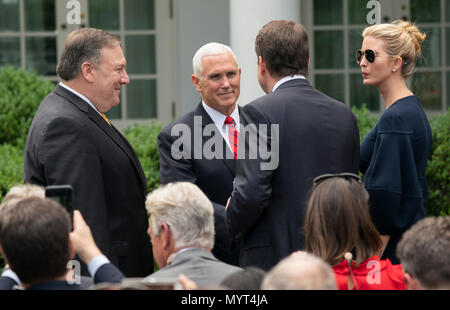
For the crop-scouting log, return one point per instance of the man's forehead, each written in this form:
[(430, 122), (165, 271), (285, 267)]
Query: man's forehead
[(219, 62)]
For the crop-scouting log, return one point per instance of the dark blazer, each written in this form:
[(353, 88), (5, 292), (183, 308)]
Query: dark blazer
[(213, 176), (316, 135), (7, 283), (70, 143), (197, 264)]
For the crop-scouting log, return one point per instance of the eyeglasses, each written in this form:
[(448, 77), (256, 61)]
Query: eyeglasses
[(345, 175), (369, 54)]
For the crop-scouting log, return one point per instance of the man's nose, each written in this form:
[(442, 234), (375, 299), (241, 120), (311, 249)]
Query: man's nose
[(124, 79)]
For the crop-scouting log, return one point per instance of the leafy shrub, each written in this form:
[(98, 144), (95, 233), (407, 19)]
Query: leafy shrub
[(143, 138), (365, 120), (438, 168), (21, 92), (11, 168)]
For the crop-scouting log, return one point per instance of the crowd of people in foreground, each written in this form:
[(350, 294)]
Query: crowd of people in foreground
[(343, 248)]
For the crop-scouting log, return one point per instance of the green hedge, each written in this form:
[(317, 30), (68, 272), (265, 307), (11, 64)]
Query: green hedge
[(438, 168), (144, 141), (21, 92)]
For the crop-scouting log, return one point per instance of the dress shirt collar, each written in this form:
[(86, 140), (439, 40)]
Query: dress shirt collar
[(219, 118), (287, 78), (80, 95)]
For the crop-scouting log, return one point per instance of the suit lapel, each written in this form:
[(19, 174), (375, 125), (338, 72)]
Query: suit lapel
[(206, 120), (111, 131), (120, 140)]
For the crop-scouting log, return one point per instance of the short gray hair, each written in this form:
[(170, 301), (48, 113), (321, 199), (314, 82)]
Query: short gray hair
[(20, 192), (300, 271), (187, 211), (209, 49)]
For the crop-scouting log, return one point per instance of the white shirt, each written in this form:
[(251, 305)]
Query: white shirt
[(219, 120), (81, 96), (288, 78)]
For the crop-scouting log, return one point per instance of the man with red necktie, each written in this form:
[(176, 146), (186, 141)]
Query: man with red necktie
[(217, 79)]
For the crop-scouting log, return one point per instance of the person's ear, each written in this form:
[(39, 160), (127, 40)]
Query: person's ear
[(397, 65), (72, 249), (261, 65), (412, 282), (166, 234), (196, 82), (88, 70)]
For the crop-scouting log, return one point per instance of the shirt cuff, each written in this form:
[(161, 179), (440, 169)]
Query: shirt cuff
[(96, 263), (11, 274)]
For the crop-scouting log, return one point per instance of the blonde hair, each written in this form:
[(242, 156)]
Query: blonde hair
[(400, 38)]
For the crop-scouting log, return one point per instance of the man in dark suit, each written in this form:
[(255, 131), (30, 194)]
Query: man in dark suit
[(305, 134), (211, 166), (35, 242), (72, 142)]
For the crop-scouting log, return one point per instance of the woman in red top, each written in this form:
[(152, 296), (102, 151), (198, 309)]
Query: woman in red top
[(338, 228)]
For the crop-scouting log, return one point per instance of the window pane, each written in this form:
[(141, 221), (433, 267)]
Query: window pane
[(425, 11), (428, 87), (10, 51), (139, 14), (448, 46), (447, 4), (332, 85), (327, 12), (361, 94), (40, 15), (329, 49), (140, 51), (355, 43), (448, 92), (431, 48), (357, 12), (9, 15), (104, 14), (141, 99), (41, 55), (116, 112)]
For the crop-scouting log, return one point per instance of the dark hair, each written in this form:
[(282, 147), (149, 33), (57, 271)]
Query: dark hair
[(84, 44), (248, 279), (283, 46), (424, 252), (338, 221), (34, 236)]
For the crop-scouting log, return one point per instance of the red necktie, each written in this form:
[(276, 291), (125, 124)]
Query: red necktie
[(232, 134)]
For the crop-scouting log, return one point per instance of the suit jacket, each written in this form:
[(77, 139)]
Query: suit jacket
[(70, 143), (197, 264), (316, 135), (7, 283), (213, 176)]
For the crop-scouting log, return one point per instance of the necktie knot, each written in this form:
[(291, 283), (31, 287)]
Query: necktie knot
[(229, 121)]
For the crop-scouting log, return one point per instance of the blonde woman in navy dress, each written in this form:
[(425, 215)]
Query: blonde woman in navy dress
[(395, 152)]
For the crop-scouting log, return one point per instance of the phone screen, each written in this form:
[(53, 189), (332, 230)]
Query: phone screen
[(62, 194)]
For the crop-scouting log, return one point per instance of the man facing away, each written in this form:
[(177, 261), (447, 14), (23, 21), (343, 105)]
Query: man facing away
[(182, 234), (217, 118), (302, 134), (71, 141)]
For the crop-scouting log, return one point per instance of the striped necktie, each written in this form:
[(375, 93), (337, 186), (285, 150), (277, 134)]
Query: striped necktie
[(232, 135), (105, 118)]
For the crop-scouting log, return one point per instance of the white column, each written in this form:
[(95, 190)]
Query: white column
[(246, 19)]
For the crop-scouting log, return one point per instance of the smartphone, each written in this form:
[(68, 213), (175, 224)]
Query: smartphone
[(62, 194)]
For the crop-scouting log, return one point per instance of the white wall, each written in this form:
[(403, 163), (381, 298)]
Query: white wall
[(246, 19)]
